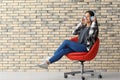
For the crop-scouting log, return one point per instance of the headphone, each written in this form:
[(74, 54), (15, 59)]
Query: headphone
[(92, 17)]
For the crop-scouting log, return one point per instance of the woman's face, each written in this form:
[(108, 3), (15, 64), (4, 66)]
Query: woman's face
[(87, 18)]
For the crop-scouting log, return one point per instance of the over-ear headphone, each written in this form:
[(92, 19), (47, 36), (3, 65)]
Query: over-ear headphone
[(92, 17)]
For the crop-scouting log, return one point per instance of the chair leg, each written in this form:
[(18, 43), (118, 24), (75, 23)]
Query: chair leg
[(82, 70)]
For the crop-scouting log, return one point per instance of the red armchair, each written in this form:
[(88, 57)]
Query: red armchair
[(82, 57)]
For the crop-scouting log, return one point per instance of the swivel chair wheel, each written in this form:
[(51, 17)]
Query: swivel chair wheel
[(92, 74), (100, 76), (73, 74), (65, 76), (83, 78)]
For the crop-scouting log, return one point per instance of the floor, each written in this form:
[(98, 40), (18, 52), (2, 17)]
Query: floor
[(53, 76)]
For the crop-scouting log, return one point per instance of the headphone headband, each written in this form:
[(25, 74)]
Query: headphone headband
[(93, 12)]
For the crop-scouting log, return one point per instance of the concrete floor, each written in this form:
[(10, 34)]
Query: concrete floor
[(53, 76)]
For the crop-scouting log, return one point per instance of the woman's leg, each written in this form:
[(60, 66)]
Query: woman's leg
[(66, 47), (75, 46), (59, 55)]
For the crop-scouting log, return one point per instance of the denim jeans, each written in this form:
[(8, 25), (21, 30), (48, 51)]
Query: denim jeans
[(66, 47)]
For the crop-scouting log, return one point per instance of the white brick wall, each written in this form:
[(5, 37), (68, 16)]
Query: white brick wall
[(31, 30)]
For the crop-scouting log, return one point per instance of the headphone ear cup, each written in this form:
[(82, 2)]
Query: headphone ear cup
[(92, 18)]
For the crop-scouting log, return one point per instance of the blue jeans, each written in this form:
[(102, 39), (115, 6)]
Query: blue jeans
[(66, 47)]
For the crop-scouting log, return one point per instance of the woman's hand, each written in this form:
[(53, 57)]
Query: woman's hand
[(83, 20)]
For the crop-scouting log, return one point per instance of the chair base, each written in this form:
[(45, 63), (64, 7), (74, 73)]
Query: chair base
[(82, 72), (77, 72)]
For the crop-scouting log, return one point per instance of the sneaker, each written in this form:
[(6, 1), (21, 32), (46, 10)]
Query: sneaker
[(43, 65)]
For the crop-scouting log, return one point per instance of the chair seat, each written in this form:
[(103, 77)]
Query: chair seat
[(76, 55), (84, 56)]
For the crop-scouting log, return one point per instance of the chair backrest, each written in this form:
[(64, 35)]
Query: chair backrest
[(93, 51), (86, 56)]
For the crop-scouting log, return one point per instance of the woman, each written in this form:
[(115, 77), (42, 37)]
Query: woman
[(87, 32)]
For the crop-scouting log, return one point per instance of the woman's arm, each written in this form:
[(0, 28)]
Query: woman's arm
[(78, 27), (93, 34)]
